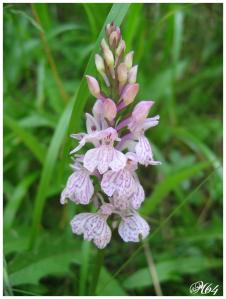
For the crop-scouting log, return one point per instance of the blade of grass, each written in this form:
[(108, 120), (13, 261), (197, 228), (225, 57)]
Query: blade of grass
[(99, 258), (7, 286), (84, 268), (31, 20), (49, 55), (132, 23), (168, 184), (91, 19), (29, 140), (190, 195), (47, 171), (20, 291), (199, 147), (42, 10), (16, 199)]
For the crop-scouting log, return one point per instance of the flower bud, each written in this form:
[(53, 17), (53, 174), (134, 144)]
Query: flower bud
[(129, 59), (99, 63), (141, 110), (121, 48), (110, 28), (93, 85), (129, 93), (101, 68), (110, 109), (122, 73), (108, 56), (114, 38), (97, 108), (132, 76)]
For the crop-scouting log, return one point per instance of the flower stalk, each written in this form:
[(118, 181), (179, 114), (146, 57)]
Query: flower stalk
[(98, 263), (119, 146)]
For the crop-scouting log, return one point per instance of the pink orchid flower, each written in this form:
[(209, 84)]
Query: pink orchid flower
[(117, 145)]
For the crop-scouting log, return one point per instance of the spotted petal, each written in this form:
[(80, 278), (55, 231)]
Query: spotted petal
[(93, 226), (144, 152), (103, 158), (121, 181), (118, 162), (138, 196), (79, 188), (120, 202), (132, 227)]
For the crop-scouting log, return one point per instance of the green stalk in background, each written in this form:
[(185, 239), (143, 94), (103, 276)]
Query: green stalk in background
[(98, 262)]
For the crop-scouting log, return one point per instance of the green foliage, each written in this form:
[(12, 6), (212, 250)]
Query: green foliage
[(172, 270), (179, 51)]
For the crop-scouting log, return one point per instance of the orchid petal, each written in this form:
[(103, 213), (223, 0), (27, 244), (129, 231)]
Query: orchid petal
[(90, 161), (138, 196), (79, 188), (132, 227), (94, 227), (121, 181), (118, 162), (91, 124), (144, 152)]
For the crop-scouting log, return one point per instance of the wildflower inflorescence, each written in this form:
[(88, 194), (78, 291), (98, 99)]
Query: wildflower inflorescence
[(119, 146)]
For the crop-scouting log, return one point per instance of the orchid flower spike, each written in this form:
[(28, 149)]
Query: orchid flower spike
[(105, 174)]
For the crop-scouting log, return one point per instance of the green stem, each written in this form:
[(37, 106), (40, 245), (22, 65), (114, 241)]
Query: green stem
[(96, 271), (84, 267), (152, 268)]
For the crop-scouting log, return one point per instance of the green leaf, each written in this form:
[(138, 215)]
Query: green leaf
[(26, 16), (199, 147), (132, 24), (7, 285), (91, 18), (42, 11), (47, 171), (168, 184), (55, 264), (16, 198), (86, 246), (28, 139), (172, 270), (178, 35), (113, 288)]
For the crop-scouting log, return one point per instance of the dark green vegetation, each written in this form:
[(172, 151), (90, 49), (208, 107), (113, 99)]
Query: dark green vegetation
[(47, 50)]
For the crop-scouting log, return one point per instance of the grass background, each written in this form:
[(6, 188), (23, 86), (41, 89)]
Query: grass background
[(47, 50)]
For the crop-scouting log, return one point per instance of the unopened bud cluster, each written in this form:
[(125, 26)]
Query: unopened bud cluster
[(119, 146)]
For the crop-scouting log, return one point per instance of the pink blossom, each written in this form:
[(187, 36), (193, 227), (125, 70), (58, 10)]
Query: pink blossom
[(79, 187), (105, 156), (138, 124), (93, 125), (133, 227), (94, 227), (117, 145), (121, 182), (144, 152), (124, 185)]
